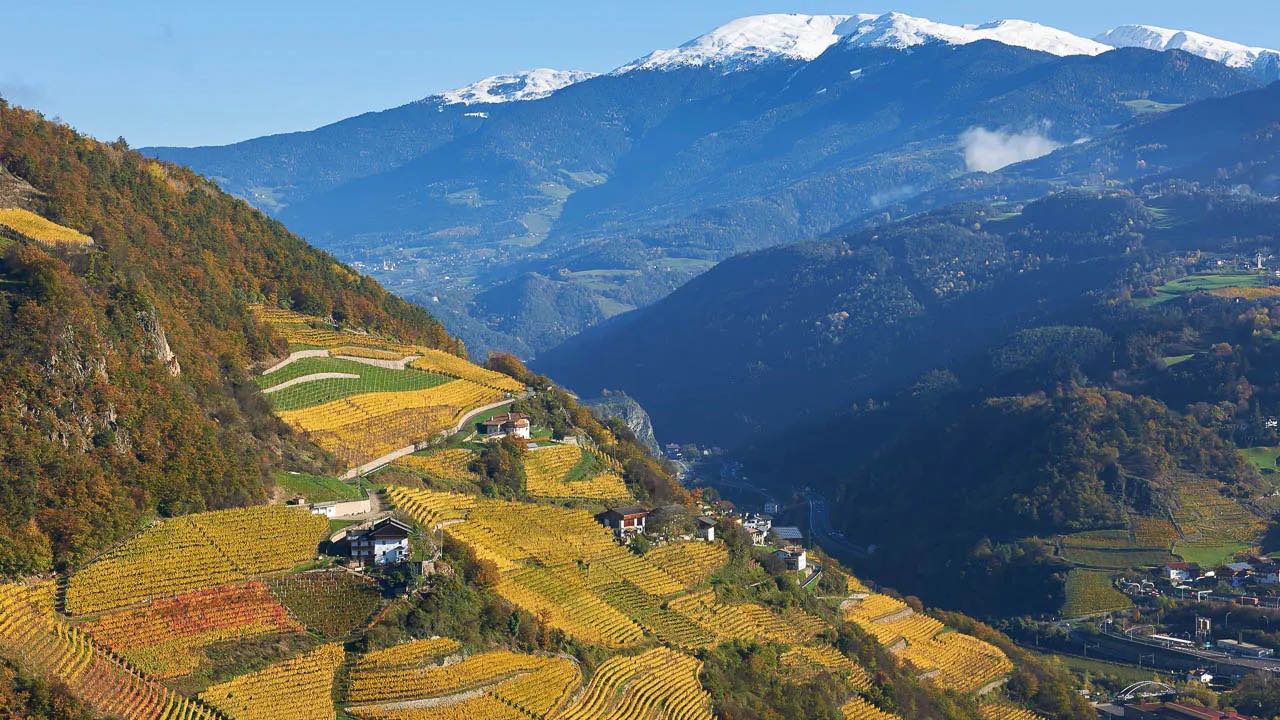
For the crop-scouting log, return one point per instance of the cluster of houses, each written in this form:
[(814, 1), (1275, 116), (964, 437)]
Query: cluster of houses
[(629, 521), (1252, 572)]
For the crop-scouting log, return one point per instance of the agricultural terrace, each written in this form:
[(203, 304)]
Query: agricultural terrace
[(390, 681), (1001, 711), (951, 660), (660, 682), (1213, 527), (362, 397), (334, 603), (1090, 592), (315, 381), (36, 639), (165, 638), (196, 551), (690, 563), (32, 226), (568, 471), (361, 428), (561, 565), (300, 688), (860, 709), (450, 464), (803, 662)]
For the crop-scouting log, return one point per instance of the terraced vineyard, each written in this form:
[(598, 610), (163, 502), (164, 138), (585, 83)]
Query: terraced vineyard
[(1089, 592), (406, 682), (401, 395), (34, 638), (561, 565), (951, 660), (165, 637), (304, 392), (452, 464), (568, 471), (333, 603), (196, 551), (660, 682), (860, 709), (803, 662), (42, 230), (300, 688), (360, 428), (1212, 526), (1001, 711), (690, 563)]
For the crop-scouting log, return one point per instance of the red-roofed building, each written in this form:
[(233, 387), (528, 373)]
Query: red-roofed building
[(508, 423)]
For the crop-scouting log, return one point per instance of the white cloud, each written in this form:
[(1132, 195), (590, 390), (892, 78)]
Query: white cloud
[(989, 150)]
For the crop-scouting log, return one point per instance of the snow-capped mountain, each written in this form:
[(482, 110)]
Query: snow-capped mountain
[(525, 85), (750, 40), (896, 30), (1231, 54)]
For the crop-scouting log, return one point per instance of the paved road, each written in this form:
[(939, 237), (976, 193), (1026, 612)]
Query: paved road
[(823, 533)]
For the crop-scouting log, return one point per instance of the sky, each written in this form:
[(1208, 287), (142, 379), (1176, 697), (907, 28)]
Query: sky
[(205, 73)]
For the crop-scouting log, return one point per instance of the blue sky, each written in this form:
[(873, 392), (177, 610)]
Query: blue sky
[(210, 73)]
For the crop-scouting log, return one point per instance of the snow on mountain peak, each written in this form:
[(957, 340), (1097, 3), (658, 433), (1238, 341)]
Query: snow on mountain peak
[(750, 40), (526, 85), (896, 30), (1151, 37)]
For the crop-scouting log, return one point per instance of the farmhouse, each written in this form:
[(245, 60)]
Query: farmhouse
[(508, 423), (625, 521), (383, 542), (794, 557), (707, 528)]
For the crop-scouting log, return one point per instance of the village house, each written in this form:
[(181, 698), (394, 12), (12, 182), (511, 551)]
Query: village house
[(758, 526), (625, 522), (706, 528), (794, 557), (383, 542), (1181, 572), (504, 424), (787, 535)]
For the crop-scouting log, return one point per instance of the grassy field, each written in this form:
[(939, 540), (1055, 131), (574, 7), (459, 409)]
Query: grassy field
[(317, 488), (1209, 554), (1119, 559), (1089, 592), (1203, 283), (1124, 674), (588, 466), (371, 379), (1172, 360), (1263, 458)]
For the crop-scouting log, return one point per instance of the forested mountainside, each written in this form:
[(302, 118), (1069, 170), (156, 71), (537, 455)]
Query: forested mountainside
[(613, 191), (125, 391), (1058, 382)]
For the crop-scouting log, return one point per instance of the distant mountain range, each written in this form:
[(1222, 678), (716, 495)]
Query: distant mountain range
[(606, 192)]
